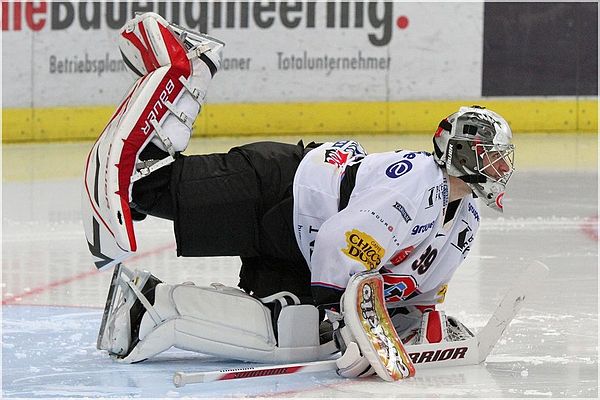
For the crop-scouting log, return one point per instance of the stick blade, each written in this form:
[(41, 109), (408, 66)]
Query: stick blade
[(179, 379), (510, 305)]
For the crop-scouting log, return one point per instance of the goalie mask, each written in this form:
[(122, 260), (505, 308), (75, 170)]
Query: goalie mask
[(474, 144)]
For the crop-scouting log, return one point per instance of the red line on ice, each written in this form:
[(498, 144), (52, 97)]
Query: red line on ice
[(40, 289), (590, 227)]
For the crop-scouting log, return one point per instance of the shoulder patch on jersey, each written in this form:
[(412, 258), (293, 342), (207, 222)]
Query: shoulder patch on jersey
[(402, 167), (336, 157), (403, 212), (363, 248), (341, 152)]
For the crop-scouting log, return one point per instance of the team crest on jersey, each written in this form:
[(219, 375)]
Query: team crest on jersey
[(398, 287), (363, 248), (336, 157), (339, 153)]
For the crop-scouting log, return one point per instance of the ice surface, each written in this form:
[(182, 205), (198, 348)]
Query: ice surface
[(53, 299)]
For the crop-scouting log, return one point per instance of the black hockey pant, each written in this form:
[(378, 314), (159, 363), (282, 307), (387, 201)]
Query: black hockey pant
[(232, 204)]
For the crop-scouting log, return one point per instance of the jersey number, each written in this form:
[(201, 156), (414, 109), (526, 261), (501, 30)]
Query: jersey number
[(424, 262)]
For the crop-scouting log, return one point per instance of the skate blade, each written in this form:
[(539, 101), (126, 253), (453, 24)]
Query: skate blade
[(112, 292), (115, 299)]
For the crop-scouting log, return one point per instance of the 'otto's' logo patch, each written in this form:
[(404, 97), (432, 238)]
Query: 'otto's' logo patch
[(363, 248)]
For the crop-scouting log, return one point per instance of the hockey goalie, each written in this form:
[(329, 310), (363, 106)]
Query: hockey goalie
[(344, 254)]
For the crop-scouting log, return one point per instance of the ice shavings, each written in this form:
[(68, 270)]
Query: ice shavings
[(535, 360), (531, 392), (532, 224)]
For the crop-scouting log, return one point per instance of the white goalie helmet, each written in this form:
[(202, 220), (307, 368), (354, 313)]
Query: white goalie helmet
[(474, 144)]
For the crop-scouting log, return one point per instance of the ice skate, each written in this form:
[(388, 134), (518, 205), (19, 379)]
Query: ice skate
[(130, 295)]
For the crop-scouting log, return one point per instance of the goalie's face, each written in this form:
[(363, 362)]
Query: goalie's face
[(495, 166), (496, 162), (475, 145)]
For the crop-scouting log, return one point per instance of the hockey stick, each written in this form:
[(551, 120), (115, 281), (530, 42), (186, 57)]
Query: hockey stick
[(182, 378), (475, 350), (509, 307), (471, 351)]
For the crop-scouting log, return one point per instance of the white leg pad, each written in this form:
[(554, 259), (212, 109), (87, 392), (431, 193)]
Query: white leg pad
[(226, 322), (159, 108), (185, 108)]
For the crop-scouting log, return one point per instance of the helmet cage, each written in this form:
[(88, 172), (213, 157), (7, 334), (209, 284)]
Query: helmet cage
[(474, 144), (496, 162)]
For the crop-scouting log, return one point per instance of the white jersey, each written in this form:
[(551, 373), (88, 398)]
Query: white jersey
[(394, 222)]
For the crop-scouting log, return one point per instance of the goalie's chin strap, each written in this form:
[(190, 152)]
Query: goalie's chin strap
[(473, 178)]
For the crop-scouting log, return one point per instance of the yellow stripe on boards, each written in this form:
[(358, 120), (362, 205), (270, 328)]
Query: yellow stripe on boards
[(295, 118), (66, 160), (524, 115)]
